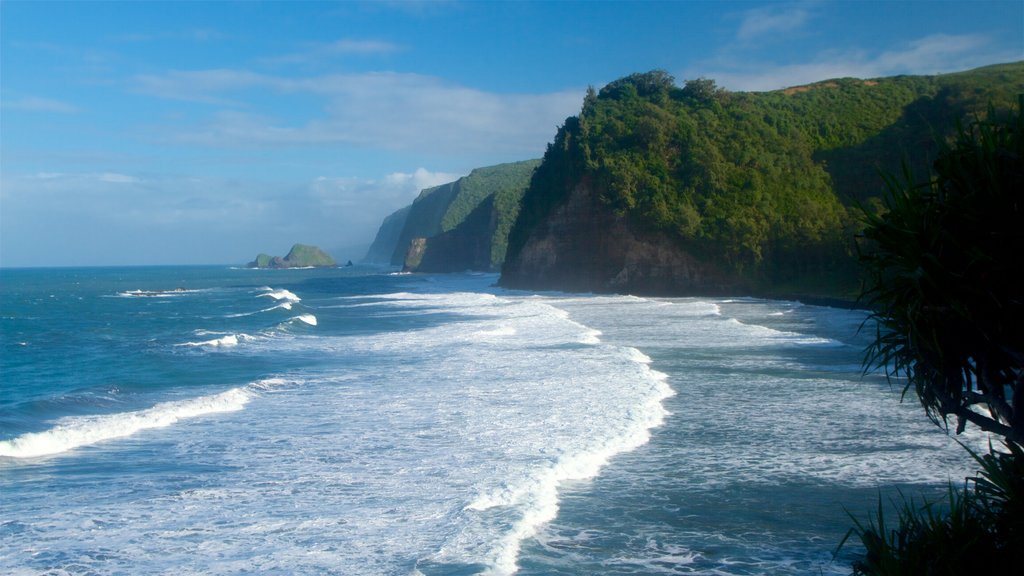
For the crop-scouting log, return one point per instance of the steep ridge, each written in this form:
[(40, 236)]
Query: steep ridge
[(461, 225), (383, 247), (655, 188), (424, 217)]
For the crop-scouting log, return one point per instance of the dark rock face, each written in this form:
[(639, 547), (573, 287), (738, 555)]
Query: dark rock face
[(465, 223), (424, 218), (465, 247), (582, 246), (414, 255)]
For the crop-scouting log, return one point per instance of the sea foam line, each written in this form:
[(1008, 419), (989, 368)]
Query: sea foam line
[(78, 431), (286, 305), (222, 342), (280, 295), (537, 495)]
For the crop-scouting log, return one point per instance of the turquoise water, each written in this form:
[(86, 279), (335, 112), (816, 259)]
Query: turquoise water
[(355, 421)]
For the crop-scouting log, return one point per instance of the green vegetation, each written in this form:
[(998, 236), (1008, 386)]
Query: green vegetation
[(506, 183), (978, 530), (300, 256), (763, 184), (943, 259), (450, 209)]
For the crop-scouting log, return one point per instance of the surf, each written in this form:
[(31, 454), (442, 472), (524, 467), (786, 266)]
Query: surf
[(79, 431)]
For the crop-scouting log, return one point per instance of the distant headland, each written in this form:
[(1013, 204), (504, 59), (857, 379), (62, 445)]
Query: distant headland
[(300, 256)]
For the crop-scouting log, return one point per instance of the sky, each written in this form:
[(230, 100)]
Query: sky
[(137, 133)]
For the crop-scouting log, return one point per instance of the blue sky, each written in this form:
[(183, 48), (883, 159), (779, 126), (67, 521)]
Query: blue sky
[(204, 133)]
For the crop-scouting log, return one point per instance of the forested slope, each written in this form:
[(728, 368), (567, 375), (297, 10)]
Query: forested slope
[(718, 191), (459, 225)]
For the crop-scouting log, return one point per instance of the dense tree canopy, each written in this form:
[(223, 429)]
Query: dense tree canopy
[(764, 184)]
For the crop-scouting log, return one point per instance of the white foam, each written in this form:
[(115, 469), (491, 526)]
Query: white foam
[(286, 305), (766, 334), (222, 342), (590, 336), (535, 496), (306, 318), (156, 293), (281, 295), (497, 332), (75, 432), (268, 384)]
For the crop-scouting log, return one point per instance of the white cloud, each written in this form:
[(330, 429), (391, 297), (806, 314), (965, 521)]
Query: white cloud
[(363, 203), (204, 86), (933, 54), (760, 22), (339, 48), (38, 104), (190, 34), (115, 178), (382, 110), (420, 179)]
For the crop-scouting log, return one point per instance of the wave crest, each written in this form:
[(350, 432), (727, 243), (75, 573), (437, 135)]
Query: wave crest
[(81, 431)]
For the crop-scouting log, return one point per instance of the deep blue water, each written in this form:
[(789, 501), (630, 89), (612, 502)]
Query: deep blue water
[(208, 420)]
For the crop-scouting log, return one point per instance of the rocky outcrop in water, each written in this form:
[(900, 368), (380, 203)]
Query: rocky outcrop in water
[(300, 256)]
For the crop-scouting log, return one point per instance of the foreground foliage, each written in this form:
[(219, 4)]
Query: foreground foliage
[(943, 262), (978, 530)]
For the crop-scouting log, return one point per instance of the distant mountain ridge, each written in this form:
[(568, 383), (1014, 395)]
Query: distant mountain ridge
[(461, 225)]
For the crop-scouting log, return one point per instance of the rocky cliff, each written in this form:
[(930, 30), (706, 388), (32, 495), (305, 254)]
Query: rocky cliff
[(383, 248), (424, 218), (583, 247), (461, 225), (468, 246)]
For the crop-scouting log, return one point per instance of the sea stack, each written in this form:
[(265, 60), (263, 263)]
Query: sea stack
[(300, 256)]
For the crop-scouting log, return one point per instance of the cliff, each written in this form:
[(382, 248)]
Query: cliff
[(424, 218), (461, 225), (467, 246), (660, 189), (383, 247), (300, 256), (583, 247)]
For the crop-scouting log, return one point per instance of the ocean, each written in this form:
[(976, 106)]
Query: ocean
[(212, 420)]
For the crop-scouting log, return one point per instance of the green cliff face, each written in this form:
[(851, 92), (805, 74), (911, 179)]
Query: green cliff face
[(300, 256), (464, 224), (716, 191)]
